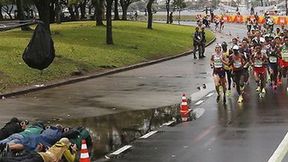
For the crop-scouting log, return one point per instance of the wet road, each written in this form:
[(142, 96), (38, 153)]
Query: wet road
[(144, 88), (249, 132)]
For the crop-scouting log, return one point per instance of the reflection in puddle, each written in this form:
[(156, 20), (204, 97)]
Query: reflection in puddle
[(110, 132)]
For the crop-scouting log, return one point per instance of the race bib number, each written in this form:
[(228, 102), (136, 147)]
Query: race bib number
[(285, 56), (258, 63), (237, 64), (218, 63), (273, 59)]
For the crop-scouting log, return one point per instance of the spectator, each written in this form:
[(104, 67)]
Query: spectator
[(197, 42), (13, 126), (203, 42)]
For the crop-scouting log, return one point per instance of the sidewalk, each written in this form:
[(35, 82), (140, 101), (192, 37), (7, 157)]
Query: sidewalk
[(153, 86)]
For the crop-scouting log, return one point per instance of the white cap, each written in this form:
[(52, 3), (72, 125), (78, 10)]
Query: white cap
[(235, 47)]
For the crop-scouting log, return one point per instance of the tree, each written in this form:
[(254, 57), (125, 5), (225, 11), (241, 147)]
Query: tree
[(8, 7), (1, 15), (58, 11), (150, 14), (124, 5), (99, 10), (116, 11), (83, 4), (20, 14), (44, 12), (179, 5), (167, 2), (109, 39)]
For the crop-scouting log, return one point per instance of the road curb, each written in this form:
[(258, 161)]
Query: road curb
[(95, 75)]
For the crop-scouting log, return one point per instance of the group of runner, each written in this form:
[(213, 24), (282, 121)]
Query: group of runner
[(263, 53)]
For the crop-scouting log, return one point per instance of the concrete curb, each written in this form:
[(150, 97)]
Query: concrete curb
[(95, 75)]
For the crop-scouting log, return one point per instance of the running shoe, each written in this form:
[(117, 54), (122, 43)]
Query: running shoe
[(218, 98), (258, 89), (228, 93), (263, 91), (240, 99), (242, 88), (274, 87), (261, 95)]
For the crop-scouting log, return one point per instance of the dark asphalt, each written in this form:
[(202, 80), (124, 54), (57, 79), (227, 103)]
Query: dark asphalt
[(249, 132)]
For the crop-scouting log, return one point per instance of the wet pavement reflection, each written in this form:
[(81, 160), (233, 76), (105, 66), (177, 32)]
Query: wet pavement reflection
[(110, 132)]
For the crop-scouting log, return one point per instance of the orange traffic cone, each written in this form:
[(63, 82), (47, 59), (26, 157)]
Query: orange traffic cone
[(84, 157), (184, 109)]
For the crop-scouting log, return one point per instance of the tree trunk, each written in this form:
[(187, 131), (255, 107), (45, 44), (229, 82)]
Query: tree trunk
[(179, 17), (72, 14), (52, 11), (116, 11), (150, 14), (262, 4), (1, 15), (20, 14), (99, 8), (83, 9), (58, 11), (77, 14), (168, 11), (109, 39), (124, 14), (43, 10)]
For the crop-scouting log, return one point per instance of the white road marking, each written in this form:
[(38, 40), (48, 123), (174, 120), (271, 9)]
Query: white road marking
[(122, 149), (148, 134), (168, 123), (210, 94), (198, 112), (199, 102), (281, 151)]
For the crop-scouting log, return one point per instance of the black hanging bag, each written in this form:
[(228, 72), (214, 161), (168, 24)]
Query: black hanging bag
[(40, 52)]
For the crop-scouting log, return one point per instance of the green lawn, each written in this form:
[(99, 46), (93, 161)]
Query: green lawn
[(81, 45)]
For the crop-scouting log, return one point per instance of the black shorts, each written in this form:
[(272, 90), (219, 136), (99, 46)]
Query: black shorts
[(220, 73)]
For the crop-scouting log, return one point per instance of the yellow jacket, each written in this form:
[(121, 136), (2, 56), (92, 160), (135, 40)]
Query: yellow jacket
[(55, 153)]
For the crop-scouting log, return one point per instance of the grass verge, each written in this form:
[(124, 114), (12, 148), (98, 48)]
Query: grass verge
[(80, 46)]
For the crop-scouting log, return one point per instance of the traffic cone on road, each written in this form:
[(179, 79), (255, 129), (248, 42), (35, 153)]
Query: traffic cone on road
[(184, 109), (84, 156)]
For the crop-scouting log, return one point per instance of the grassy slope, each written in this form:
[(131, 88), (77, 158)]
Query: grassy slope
[(81, 45)]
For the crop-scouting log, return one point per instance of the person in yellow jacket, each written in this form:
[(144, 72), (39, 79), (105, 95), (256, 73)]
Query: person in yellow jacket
[(53, 154)]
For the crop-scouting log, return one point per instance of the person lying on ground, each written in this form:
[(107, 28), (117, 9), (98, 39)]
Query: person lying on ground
[(47, 138), (13, 126), (35, 128), (53, 154)]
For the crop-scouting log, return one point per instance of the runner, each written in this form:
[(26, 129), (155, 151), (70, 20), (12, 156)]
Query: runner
[(284, 56), (273, 65), (227, 66), (246, 52), (218, 72), (237, 60), (259, 61)]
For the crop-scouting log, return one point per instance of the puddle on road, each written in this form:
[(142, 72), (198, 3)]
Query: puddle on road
[(110, 132)]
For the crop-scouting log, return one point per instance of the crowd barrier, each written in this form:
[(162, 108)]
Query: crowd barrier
[(279, 20)]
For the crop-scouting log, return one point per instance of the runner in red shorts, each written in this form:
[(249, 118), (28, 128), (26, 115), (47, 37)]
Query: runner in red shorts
[(259, 62)]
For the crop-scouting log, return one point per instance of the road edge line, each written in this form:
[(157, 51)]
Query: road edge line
[(281, 150)]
